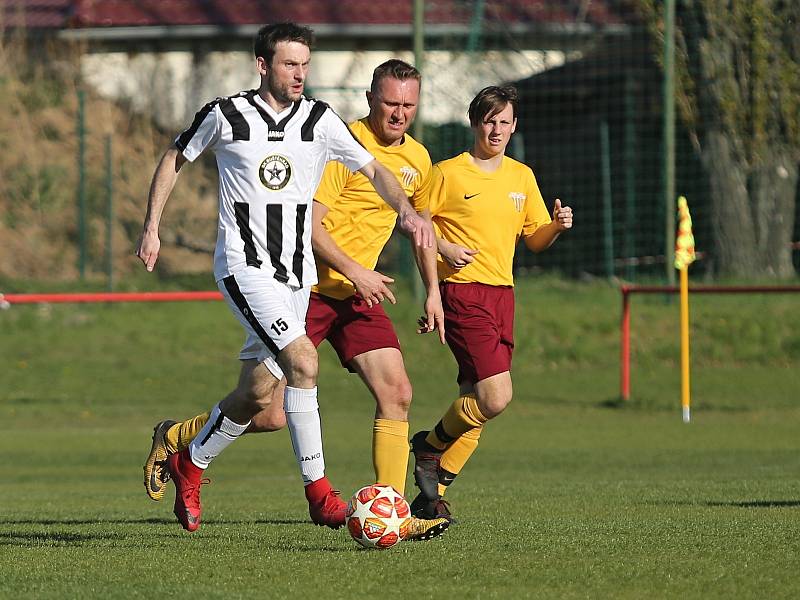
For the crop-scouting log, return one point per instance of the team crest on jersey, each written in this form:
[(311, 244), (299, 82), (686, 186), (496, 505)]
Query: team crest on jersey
[(408, 175), (518, 198), (275, 172)]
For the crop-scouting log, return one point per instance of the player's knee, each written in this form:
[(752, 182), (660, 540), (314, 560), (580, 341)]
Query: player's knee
[(402, 395), (394, 399), (494, 405), (299, 363), (303, 369)]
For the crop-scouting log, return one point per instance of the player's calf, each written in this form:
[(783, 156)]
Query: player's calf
[(426, 465)]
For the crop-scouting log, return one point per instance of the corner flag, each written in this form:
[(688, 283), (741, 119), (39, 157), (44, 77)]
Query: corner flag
[(684, 256), (684, 242)]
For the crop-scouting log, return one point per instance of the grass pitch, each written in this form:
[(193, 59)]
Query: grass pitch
[(569, 496)]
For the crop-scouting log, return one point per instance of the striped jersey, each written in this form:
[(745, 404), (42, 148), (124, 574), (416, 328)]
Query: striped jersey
[(270, 165)]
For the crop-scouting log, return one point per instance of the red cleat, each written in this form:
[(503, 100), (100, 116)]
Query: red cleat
[(324, 504), (187, 478)]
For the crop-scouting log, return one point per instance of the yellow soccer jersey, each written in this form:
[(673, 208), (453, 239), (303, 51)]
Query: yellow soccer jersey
[(358, 219), (486, 212)]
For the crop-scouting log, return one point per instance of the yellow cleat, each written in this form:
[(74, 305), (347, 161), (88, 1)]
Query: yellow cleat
[(155, 473), (420, 530)]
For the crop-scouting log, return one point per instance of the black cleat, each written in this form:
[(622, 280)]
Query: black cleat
[(426, 465), (423, 508)]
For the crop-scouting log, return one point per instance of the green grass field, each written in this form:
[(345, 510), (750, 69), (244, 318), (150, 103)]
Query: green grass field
[(571, 495)]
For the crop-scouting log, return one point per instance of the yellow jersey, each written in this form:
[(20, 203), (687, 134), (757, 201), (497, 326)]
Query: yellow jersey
[(487, 212), (358, 219)]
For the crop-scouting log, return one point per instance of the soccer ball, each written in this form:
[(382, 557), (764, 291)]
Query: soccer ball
[(378, 516)]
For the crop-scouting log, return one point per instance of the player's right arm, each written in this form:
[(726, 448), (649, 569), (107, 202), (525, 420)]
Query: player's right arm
[(456, 256), (370, 285), (164, 179)]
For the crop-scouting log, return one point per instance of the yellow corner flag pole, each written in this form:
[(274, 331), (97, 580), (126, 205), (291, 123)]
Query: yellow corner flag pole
[(685, 389), (684, 256)]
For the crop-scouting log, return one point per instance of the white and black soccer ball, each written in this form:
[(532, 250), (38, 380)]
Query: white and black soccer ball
[(378, 516)]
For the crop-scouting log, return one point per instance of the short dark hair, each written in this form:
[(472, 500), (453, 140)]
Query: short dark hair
[(269, 35), (490, 101), (396, 69)]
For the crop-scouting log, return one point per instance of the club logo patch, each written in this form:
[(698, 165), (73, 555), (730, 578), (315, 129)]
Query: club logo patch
[(518, 198), (408, 175), (275, 172)]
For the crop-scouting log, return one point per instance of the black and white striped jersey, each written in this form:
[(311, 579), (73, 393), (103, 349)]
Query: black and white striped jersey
[(270, 165)]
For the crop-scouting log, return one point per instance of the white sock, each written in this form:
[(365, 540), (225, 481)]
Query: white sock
[(302, 415), (218, 433)]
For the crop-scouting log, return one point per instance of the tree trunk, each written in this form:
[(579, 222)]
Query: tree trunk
[(753, 215), (733, 226), (773, 188)]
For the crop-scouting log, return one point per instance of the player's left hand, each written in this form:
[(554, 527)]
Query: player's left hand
[(562, 215), (433, 317), (419, 228)]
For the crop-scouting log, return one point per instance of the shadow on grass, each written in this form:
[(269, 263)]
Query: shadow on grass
[(54, 539), (757, 503), (104, 539), (647, 404), (734, 503), (150, 521)]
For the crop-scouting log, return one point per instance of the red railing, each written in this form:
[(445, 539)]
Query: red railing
[(109, 297), (625, 325)]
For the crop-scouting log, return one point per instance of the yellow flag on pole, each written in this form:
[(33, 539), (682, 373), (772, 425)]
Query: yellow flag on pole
[(684, 256), (684, 242)]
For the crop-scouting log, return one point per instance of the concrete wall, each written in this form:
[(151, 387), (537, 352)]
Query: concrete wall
[(172, 84)]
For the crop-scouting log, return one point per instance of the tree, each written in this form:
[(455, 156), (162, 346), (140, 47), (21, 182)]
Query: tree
[(738, 91)]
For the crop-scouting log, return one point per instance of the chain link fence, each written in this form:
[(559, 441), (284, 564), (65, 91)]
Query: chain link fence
[(590, 126)]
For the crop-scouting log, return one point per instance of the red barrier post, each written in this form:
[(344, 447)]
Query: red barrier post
[(625, 346)]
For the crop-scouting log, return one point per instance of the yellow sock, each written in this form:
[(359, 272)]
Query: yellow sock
[(456, 456), (180, 435), (390, 452), (462, 416)]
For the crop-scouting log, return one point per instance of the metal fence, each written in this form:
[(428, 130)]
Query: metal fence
[(591, 126)]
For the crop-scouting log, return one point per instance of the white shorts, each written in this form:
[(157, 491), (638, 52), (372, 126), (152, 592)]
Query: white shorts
[(272, 313)]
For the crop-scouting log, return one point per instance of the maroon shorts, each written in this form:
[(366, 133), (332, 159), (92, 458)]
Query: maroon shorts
[(349, 325), (479, 327)]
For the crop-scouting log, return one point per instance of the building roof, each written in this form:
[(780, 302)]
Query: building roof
[(60, 14), (35, 14)]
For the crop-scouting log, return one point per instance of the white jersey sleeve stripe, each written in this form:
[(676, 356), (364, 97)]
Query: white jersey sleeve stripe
[(239, 125), (208, 123), (343, 146), (307, 130)]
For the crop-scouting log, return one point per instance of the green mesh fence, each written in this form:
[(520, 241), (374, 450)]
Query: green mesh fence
[(591, 122), (589, 126)]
